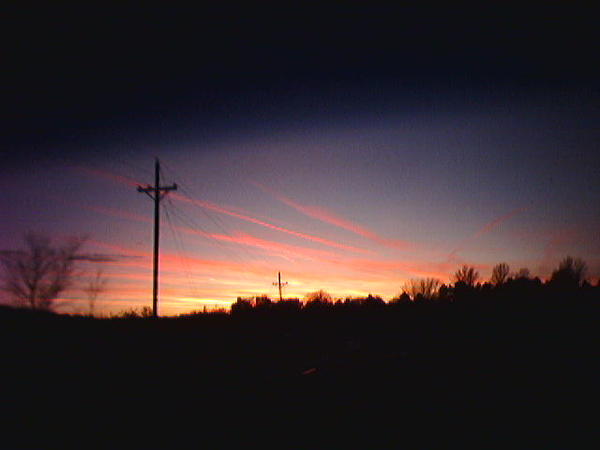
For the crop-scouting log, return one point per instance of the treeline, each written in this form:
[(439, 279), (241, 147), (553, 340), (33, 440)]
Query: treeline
[(566, 285)]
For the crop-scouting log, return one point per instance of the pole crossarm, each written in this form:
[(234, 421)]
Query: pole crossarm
[(162, 190), (156, 193)]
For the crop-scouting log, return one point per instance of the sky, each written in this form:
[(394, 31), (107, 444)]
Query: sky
[(348, 148)]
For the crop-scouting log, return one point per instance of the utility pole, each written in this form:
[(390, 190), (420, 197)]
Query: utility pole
[(156, 193), (280, 285)]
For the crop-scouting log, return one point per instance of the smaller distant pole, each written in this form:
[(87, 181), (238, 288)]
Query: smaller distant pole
[(280, 285)]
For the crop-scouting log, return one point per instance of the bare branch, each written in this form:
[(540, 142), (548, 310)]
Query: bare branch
[(426, 288), (35, 277), (467, 275), (500, 274), (95, 287)]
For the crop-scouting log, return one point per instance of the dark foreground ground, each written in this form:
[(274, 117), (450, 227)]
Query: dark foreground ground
[(452, 376)]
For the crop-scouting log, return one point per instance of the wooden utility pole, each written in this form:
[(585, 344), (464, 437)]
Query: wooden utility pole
[(156, 193), (280, 284)]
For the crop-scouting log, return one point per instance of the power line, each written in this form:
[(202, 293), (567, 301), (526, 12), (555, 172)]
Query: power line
[(184, 186), (179, 250), (186, 190), (176, 213), (215, 220), (193, 224)]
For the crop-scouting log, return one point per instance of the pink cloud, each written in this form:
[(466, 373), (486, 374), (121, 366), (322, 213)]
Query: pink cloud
[(496, 222), (272, 247), (116, 248), (487, 228), (331, 218), (393, 269), (222, 210)]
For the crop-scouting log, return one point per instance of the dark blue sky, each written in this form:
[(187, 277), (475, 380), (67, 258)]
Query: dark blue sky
[(95, 74)]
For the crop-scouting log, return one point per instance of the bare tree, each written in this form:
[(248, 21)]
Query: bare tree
[(467, 275), (426, 287), (319, 296), (36, 276), (96, 285), (571, 272), (500, 273)]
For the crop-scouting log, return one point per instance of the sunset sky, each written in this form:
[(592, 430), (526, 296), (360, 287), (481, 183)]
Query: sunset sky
[(348, 149)]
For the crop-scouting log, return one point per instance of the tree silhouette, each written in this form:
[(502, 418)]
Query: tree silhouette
[(500, 274), (368, 301), (571, 273), (96, 285), (427, 288), (241, 305), (36, 276), (262, 302), (466, 275), (288, 305), (523, 272), (318, 298), (402, 299)]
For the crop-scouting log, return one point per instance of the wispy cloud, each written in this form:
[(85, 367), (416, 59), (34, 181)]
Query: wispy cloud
[(496, 222), (118, 249), (222, 210), (247, 218), (331, 218), (390, 270), (273, 248), (485, 229)]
